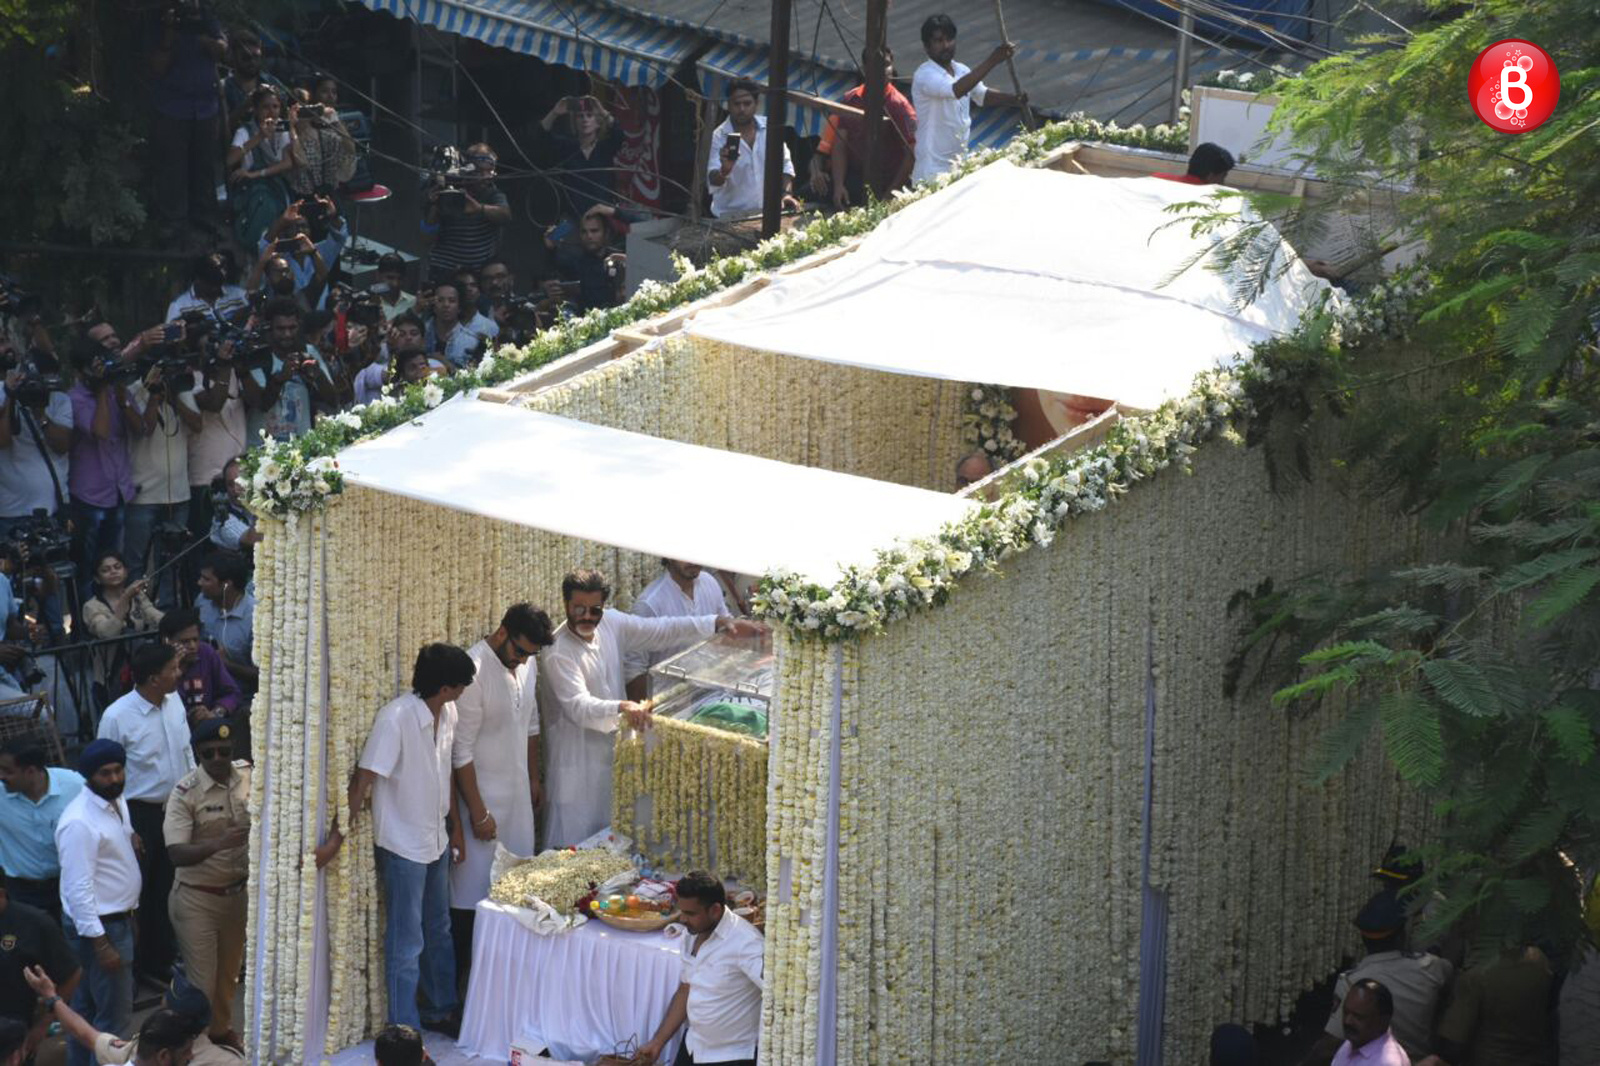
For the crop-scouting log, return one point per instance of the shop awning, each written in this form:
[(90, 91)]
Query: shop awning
[(570, 33), (644, 494), (1029, 279)]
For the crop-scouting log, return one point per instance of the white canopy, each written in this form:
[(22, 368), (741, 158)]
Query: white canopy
[(681, 501), (1026, 278)]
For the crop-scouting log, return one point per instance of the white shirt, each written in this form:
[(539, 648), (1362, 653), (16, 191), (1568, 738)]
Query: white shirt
[(160, 459), (724, 980), (944, 120), (581, 689), (156, 738), (99, 870), (223, 434), (495, 716), (662, 598), (25, 482), (411, 756), (232, 300), (741, 193)]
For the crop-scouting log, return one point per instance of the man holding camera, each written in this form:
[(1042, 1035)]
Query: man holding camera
[(309, 235), (592, 275), (458, 342), (188, 46), (737, 169), (35, 439), (223, 432), (464, 222), (101, 475), (278, 391)]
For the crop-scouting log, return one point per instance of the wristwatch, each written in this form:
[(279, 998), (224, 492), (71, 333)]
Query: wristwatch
[(49, 1003)]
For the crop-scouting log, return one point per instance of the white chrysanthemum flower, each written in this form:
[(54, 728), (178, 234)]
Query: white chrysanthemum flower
[(432, 394)]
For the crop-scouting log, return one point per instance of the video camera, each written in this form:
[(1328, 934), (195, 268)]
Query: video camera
[(447, 172), (41, 541)]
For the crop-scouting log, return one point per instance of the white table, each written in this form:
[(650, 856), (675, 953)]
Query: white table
[(582, 993)]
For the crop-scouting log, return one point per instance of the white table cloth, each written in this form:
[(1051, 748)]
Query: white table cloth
[(583, 993)]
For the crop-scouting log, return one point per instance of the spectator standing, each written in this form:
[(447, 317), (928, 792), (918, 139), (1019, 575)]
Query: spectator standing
[(35, 448), (943, 92), (720, 993), (390, 288), (681, 590), (310, 252), (406, 361), (101, 474), (210, 289), (466, 232), (158, 454), (30, 937), (187, 47), (1499, 1014), (246, 75), (497, 281), (405, 769), (35, 793), (259, 160), (1416, 981), (496, 752), (100, 887), (596, 271), (586, 140), (207, 830), (218, 398), (118, 607), (205, 686), (227, 613), (454, 340), (737, 169), (149, 725), (279, 395), (327, 152), (1365, 1018), (847, 145)]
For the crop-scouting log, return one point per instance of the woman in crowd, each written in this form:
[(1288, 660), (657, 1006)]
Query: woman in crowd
[(263, 154), (586, 142), (324, 150), (118, 607)]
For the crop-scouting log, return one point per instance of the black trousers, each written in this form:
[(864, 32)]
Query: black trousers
[(157, 945), (185, 168), (686, 1059)]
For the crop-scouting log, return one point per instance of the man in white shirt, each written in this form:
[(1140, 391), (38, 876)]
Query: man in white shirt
[(158, 450), (737, 168), (720, 995), (152, 727), (405, 769), (210, 292), (496, 756), (943, 92), (682, 590), (583, 696), (458, 342), (99, 890)]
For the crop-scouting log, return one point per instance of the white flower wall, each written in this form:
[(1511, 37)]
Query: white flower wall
[(993, 756), (886, 426)]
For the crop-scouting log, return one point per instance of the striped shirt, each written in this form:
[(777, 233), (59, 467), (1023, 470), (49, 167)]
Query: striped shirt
[(468, 241)]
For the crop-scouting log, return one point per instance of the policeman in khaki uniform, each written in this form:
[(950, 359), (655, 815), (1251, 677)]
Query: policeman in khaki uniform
[(208, 829)]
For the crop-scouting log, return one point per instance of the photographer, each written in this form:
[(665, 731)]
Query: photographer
[(457, 342), (407, 338), (246, 76), (263, 152), (35, 440), (211, 289), (187, 46), (218, 398), (592, 275), (276, 278), (586, 145), (737, 170), (325, 150), (277, 391), (309, 235), (159, 447), (465, 214), (100, 480), (233, 526)]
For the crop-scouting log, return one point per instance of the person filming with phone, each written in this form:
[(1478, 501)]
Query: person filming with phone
[(738, 164)]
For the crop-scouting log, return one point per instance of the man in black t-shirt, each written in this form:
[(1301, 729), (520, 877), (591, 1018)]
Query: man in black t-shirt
[(591, 274), (29, 937)]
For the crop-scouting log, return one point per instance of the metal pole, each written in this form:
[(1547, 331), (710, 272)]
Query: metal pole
[(1180, 73), (777, 112), (876, 75)]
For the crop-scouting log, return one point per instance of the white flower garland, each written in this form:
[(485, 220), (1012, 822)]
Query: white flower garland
[(988, 423)]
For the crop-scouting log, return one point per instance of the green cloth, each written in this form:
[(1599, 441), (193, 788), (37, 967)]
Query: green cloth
[(734, 717)]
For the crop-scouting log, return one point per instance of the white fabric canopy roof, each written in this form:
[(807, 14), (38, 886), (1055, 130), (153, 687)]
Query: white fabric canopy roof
[(681, 501), (1026, 278)]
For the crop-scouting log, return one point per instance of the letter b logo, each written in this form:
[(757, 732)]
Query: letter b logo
[(1513, 86)]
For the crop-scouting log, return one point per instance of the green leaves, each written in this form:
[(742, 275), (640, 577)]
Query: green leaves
[(1336, 747), (1463, 685), (1572, 732), (1412, 737)]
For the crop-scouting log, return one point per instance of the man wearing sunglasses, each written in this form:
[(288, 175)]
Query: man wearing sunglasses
[(207, 829), (495, 757), (584, 697)]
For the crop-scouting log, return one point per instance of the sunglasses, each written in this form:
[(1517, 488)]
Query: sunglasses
[(215, 752), (519, 651), (582, 611)]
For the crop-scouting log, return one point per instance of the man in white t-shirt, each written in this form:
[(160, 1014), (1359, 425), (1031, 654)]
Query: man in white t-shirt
[(158, 448), (737, 169), (210, 291), (405, 769), (682, 591), (943, 92), (35, 437)]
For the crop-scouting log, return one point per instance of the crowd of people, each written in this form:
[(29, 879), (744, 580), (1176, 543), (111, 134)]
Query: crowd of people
[(135, 865)]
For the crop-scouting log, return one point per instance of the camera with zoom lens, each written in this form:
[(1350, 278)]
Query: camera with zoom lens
[(36, 386), (41, 541), (446, 173), (365, 309)]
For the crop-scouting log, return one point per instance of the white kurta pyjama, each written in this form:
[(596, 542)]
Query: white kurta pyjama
[(662, 598)]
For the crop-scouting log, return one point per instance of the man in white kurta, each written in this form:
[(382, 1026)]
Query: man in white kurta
[(582, 693), (496, 750), (682, 591), (943, 92)]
